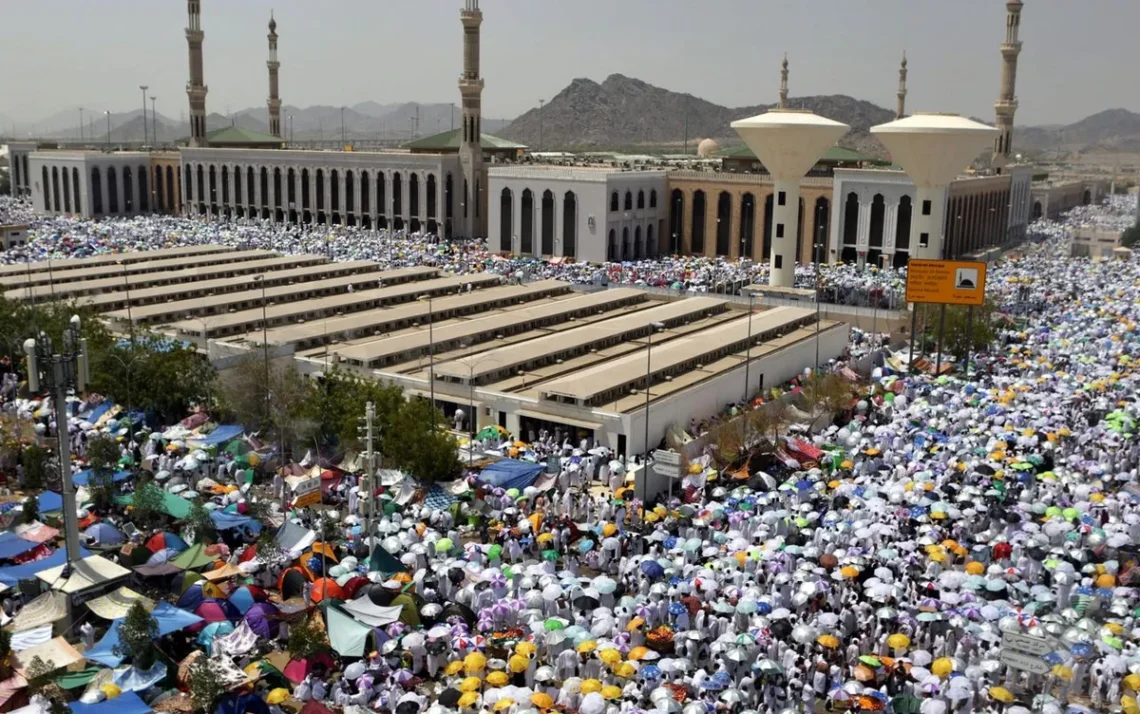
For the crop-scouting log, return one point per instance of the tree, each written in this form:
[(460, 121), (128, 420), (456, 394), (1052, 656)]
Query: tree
[(103, 456), (137, 634), (338, 401), (200, 524), (35, 465), (5, 649), (827, 394), (146, 505), (1130, 236), (306, 639), (205, 684), (5, 183), (40, 681), (956, 339), (159, 375), (418, 443), (21, 319), (241, 393), (31, 510)]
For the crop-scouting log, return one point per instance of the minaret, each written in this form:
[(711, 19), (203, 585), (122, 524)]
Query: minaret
[(784, 83), (196, 88), (274, 102), (1005, 106), (473, 209), (900, 107)]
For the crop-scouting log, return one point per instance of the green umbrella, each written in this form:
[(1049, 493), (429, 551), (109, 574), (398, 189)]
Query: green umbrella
[(870, 661), (495, 551), (1022, 466), (1070, 514), (444, 545), (551, 555), (513, 492), (554, 624)]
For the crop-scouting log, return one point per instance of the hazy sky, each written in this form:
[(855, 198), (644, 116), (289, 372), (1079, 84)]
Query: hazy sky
[(1079, 57)]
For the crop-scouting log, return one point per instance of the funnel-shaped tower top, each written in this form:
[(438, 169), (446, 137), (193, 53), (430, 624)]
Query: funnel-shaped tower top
[(789, 141), (934, 148)]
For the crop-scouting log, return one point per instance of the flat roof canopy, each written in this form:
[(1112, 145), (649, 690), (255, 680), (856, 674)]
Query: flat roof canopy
[(44, 266)]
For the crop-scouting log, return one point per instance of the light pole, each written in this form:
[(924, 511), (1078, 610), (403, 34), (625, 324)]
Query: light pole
[(143, 87), (64, 371), (748, 354), (818, 249), (541, 103), (431, 347), (653, 327), (80, 125), (342, 144), (260, 279), (131, 328), (153, 123), (108, 113)]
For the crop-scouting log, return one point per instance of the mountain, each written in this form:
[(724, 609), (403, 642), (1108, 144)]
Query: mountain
[(1112, 129), (627, 112)]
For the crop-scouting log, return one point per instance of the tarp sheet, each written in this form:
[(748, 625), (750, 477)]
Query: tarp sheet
[(347, 637), (510, 473), (167, 617), (225, 521), (125, 703), (294, 538), (88, 572), (13, 574), (369, 613), (26, 639), (12, 545), (56, 651), (115, 604), (44, 610), (220, 435), (50, 501), (83, 478), (133, 679), (193, 557), (36, 532)]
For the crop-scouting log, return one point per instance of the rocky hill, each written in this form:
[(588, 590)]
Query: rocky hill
[(627, 113)]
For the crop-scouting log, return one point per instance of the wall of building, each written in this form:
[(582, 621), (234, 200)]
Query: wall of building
[(977, 215), (746, 227), (1050, 200), (166, 182), (505, 216), (219, 197), (100, 184), (18, 152), (635, 228)]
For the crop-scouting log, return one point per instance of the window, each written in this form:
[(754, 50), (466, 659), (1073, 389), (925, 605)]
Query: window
[(641, 199), (779, 230), (926, 207), (782, 199), (653, 198), (923, 238), (629, 200), (614, 201), (779, 261)]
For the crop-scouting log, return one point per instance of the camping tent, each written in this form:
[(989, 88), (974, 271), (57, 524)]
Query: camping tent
[(510, 473), (168, 619), (193, 557), (347, 637)]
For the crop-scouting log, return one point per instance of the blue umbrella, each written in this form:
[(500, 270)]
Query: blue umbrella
[(652, 569), (763, 608), (677, 609), (314, 564), (669, 543), (104, 534), (650, 671), (585, 545)]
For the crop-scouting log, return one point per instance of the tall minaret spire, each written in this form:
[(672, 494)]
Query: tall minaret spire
[(900, 107), (274, 102), (784, 83), (1006, 104), (474, 190), (196, 89)]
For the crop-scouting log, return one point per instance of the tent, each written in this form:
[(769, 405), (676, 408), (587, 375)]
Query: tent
[(36, 532), (261, 619), (225, 521), (44, 610), (83, 478), (223, 573), (12, 545), (365, 611), (220, 435), (294, 538), (125, 703), (168, 619), (50, 501), (510, 473), (384, 562), (347, 637), (241, 704), (162, 541), (115, 604), (56, 651), (193, 557), (13, 574)]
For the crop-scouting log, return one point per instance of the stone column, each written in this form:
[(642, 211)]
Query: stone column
[(863, 236), (761, 220), (328, 195), (440, 209), (890, 228), (342, 179), (811, 230), (710, 222), (516, 220), (405, 199), (734, 227)]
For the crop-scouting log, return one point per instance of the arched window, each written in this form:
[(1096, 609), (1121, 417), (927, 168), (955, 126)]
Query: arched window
[(129, 192), (614, 201), (188, 185), (638, 247), (365, 194), (747, 225), (628, 200), (349, 193), (144, 195), (113, 188), (822, 219), (276, 187), (506, 221), (250, 187), (304, 189), (611, 247), (397, 195), (414, 195), (547, 222), (723, 222), (201, 194), (432, 191), (75, 189), (640, 199), (381, 203), (264, 187), (626, 248), (698, 228), (96, 192), (170, 204), (291, 188), (526, 245), (676, 221), (213, 177), (225, 185), (46, 183), (653, 198), (570, 225), (66, 193)]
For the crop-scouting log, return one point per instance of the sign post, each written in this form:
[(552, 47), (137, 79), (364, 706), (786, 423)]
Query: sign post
[(668, 464), (945, 282)]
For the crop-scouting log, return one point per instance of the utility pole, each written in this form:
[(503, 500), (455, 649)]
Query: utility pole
[(80, 125), (65, 371), (541, 103), (342, 127), (369, 472), (143, 87), (108, 113)]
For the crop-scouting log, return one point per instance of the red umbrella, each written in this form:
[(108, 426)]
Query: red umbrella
[(353, 585)]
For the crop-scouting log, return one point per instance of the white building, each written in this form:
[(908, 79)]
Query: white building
[(89, 183), (590, 214)]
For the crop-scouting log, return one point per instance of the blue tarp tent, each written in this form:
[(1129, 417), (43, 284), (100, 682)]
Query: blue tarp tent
[(50, 501), (125, 703), (509, 473), (220, 435), (99, 411), (223, 521), (167, 617), (13, 574), (12, 545), (82, 478)]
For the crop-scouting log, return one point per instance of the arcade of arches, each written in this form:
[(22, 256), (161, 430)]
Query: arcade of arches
[(730, 216)]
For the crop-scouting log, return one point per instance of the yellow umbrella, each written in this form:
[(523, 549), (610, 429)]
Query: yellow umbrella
[(542, 700), (518, 663), (591, 685), (609, 529), (498, 679), (276, 696), (942, 666), (474, 662), (1062, 672), (1128, 704), (849, 571), (635, 624), (898, 641), (526, 649), (504, 704), (454, 668), (625, 670), (831, 642), (110, 690), (469, 699), (1001, 694), (611, 692), (589, 646), (471, 684), (975, 568), (638, 652), (1132, 681), (545, 537), (610, 656)]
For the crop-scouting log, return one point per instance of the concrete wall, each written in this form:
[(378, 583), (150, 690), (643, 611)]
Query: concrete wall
[(589, 188)]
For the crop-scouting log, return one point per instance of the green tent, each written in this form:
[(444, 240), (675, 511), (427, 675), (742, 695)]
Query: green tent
[(75, 680), (347, 637), (193, 557), (384, 562), (175, 506)]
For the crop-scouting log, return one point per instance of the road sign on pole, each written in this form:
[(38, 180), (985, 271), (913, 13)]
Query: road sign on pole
[(1025, 662), (1030, 644), (667, 463), (946, 282)]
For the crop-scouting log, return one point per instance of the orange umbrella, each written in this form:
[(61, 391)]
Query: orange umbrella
[(863, 673)]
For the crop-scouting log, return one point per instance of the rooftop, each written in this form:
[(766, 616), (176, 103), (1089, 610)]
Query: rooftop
[(450, 140)]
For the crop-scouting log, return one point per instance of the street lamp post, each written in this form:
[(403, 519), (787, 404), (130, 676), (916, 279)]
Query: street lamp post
[(131, 361), (143, 87), (80, 125), (431, 347), (153, 122), (260, 279), (818, 297), (64, 371), (108, 113), (541, 103)]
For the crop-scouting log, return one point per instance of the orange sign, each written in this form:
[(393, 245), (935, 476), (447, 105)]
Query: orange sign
[(946, 282)]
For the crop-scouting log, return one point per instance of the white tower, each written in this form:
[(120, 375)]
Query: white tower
[(1006, 105), (274, 101), (788, 142), (933, 149), (900, 106)]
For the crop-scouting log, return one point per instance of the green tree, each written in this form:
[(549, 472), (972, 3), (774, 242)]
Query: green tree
[(338, 401), (1130, 236), (5, 649), (956, 338), (5, 183), (35, 465), (31, 510), (146, 505), (40, 681), (205, 684), (21, 319), (306, 639), (103, 456), (200, 524), (158, 375), (827, 393), (418, 443), (241, 393), (137, 634)]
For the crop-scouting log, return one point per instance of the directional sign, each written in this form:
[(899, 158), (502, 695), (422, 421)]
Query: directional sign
[(946, 282), (1025, 662), (1030, 644), (667, 463)]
